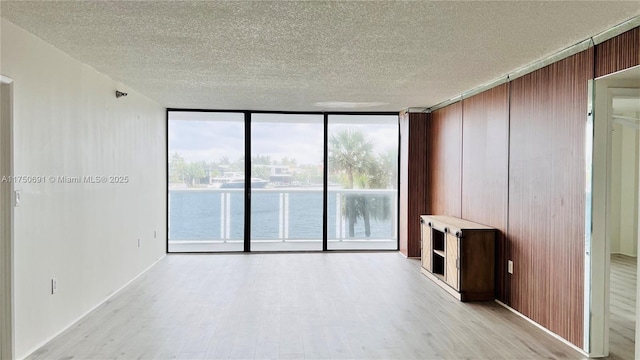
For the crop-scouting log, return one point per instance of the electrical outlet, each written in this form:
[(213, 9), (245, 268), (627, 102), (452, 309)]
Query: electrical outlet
[(510, 266), (138, 242), (54, 286)]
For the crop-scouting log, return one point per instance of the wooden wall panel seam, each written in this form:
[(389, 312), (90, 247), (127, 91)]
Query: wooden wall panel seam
[(461, 151), (508, 251)]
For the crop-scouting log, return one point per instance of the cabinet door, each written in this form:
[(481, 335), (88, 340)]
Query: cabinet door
[(451, 253), (426, 247)]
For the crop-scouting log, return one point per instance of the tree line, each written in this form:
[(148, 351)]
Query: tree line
[(353, 163)]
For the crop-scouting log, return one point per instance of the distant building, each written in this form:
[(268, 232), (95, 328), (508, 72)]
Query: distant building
[(280, 174)]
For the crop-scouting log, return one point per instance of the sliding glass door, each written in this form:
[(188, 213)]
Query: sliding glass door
[(281, 200), (206, 181), (286, 182)]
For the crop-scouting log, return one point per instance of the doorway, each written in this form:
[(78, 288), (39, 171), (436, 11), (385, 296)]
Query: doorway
[(614, 243), (6, 219)]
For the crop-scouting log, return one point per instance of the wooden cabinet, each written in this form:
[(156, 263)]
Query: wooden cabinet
[(459, 255)]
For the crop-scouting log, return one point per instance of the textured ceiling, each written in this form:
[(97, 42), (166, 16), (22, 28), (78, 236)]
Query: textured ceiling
[(292, 55)]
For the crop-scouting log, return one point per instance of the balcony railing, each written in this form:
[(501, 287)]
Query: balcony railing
[(201, 218)]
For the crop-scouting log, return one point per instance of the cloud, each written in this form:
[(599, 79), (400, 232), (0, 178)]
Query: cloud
[(206, 140), (211, 136)]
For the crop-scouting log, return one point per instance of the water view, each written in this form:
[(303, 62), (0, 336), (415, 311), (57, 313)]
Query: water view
[(202, 215), (206, 182)]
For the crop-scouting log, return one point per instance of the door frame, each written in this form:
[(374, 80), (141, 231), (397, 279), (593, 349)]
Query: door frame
[(637, 350), (598, 225), (7, 336)]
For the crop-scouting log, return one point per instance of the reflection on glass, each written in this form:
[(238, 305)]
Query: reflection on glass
[(287, 157), (363, 179), (206, 181)]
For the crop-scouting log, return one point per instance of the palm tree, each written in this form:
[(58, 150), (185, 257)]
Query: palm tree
[(351, 155)]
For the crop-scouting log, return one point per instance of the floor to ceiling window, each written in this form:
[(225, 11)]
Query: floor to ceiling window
[(292, 206), (363, 182), (287, 181), (206, 181)]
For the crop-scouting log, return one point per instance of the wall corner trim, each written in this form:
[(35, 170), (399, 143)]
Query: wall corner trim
[(617, 30), (447, 102), (5, 79), (412, 110)]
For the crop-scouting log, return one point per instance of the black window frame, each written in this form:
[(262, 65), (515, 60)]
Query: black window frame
[(247, 165)]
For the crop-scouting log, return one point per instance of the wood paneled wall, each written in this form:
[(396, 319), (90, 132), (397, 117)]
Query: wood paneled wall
[(546, 194), (444, 161), (543, 115), (485, 166), (413, 164), (618, 53)]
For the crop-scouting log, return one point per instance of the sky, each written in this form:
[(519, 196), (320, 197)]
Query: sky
[(208, 137)]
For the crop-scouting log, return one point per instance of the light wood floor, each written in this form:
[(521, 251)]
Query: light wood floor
[(622, 305), (295, 306)]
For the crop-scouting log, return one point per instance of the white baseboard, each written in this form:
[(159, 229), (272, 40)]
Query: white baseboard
[(625, 254), (560, 338), (88, 311)]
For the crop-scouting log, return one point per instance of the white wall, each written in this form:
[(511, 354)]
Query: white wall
[(616, 181), (624, 194), (67, 122), (629, 191)]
